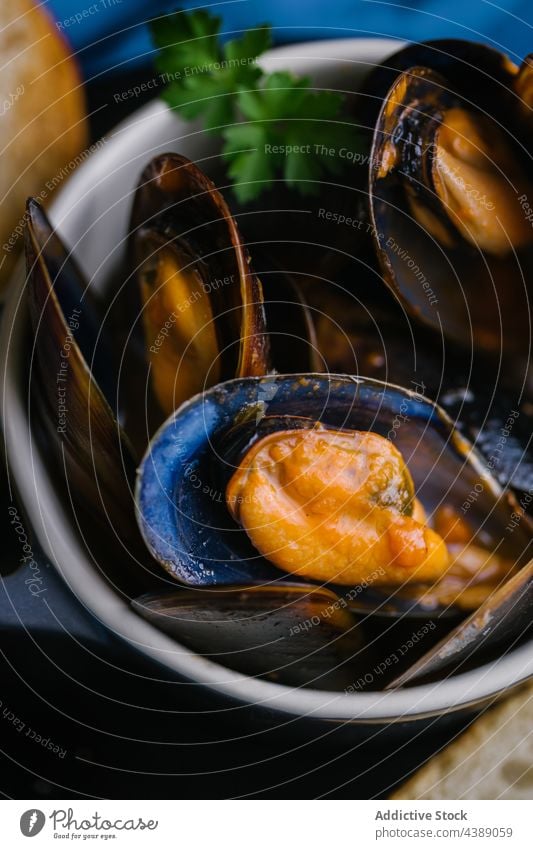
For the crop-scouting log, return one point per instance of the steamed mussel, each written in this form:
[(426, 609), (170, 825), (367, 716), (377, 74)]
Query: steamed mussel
[(185, 488), (194, 273), (449, 177), (324, 495), (289, 522)]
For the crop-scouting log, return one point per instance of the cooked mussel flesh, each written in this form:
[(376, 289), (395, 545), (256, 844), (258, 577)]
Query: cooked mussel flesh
[(335, 479), (448, 223), (202, 304)]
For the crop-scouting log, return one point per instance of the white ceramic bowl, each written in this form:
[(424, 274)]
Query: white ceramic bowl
[(91, 213)]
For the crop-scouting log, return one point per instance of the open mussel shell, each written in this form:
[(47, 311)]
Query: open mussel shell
[(292, 634), (92, 458), (503, 617), (480, 74), (293, 343), (203, 311), (449, 229), (180, 493)]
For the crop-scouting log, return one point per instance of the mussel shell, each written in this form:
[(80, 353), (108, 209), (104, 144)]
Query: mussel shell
[(482, 75), (292, 634), (505, 615), (180, 205), (290, 321), (181, 502), (499, 424), (93, 453), (50, 265), (478, 300)]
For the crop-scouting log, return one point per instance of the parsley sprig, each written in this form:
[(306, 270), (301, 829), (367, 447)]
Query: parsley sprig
[(273, 126)]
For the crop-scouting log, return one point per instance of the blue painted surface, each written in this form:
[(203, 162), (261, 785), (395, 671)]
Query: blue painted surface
[(111, 35)]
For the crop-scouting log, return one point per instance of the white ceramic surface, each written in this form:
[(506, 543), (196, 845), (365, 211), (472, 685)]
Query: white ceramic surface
[(91, 213)]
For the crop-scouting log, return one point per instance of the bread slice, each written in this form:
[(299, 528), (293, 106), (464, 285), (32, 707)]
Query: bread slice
[(493, 759), (42, 117)]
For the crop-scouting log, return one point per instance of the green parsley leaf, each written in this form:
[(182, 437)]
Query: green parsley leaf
[(204, 75), (186, 40), (293, 129), (273, 126), (250, 45)]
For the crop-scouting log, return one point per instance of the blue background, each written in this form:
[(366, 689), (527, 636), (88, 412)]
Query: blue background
[(114, 38)]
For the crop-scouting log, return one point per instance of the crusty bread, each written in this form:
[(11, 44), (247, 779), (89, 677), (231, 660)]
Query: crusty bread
[(493, 759), (42, 117)]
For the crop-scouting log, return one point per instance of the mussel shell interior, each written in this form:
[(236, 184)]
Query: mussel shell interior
[(476, 72), (91, 460), (73, 294), (181, 503), (479, 300), (181, 205)]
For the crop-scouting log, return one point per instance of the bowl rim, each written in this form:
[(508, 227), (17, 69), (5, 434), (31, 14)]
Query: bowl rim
[(64, 548)]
